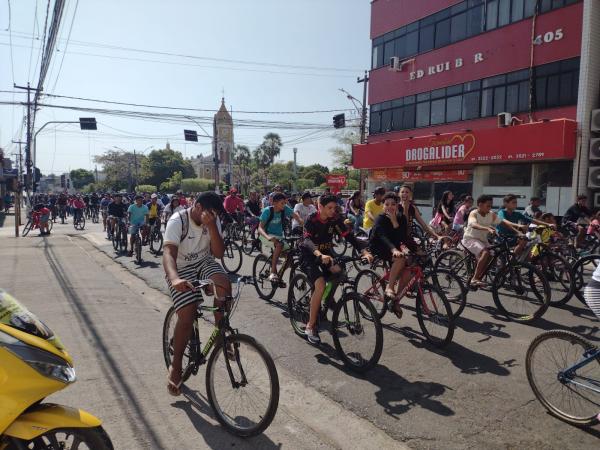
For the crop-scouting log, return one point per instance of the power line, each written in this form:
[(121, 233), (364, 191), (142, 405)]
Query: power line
[(32, 38), (12, 63), (66, 46)]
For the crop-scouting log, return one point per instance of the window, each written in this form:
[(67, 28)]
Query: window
[(454, 108), (507, 175), (438, 111), (455, 23), (554, 84), (422, 115)]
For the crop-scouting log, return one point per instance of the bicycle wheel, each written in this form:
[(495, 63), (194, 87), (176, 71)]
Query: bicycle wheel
[(94, 217), (192, 350), (243, 388), (156, 241), (521, 292), (563, 393), (340, 245), (434, 315), (76, 437), (357, 341), (261, 269), (79, 224), (27, 228), (123, 239), (452, 287), (50, 223), (372, 287), (247, 242), (560, 276), (137, 247), (456, 262), (232, 257), (116, 236), (299, 293), (583, 270)]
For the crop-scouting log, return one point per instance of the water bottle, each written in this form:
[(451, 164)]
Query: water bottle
[(328, 288)]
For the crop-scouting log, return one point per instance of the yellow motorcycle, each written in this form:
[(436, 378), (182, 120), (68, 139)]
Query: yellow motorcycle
[(33, 365)]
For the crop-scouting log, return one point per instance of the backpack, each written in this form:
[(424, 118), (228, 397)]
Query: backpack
[(272, 215), (185, 224)]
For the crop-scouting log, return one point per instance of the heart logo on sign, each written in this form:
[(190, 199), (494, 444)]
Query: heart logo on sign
[(467, 139)]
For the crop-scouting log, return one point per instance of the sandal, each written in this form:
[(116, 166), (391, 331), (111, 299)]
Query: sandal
[(173, 388), (389, 293), (477, 284)]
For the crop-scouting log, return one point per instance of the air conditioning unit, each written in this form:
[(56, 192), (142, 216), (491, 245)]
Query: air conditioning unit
[(595, 122), (594, 177), (504, 119), (395, 64), (594, 149)]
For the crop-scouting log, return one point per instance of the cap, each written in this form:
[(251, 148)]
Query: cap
[(154, 196), (233, 191)]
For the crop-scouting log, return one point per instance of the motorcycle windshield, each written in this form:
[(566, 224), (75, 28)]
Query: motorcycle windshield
[(14, 314)]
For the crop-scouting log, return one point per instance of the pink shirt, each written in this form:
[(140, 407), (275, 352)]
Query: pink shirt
[(233, 203), (594, 226), (459, 217)]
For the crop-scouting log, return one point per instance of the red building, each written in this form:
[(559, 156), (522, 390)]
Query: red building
[(479, 97)]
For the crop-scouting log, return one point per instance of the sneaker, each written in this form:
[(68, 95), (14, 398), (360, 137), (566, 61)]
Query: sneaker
[(312, 336), (274, 278)]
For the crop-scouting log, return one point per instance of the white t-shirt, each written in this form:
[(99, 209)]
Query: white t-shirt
[(196, 244), (303, 212)]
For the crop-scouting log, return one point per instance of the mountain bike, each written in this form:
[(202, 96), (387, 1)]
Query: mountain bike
[(232, 255), (119, 236), (78, 219), (261, 269), (563, 370), (433, 309), (155, 237), (520, 289), (355, 325), (94, 214), (250, 241), (138, 239), (242, 384), (33, 222)]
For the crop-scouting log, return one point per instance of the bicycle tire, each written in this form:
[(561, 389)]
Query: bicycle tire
[(273, 402), (261, 269), (229, 257), (247, 242), (339, 246), (453, 288), (457, 262), (93, 437), (543, 298), (27, 228), (192, 351), (115, 239), (354, 360), (299, 308), (438, 310), (581, 277), (156, 241), (535, 383), (50, 223), (373, 289), (138, 249), (561, 288)]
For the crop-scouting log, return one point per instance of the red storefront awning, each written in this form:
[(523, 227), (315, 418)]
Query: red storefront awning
[(550, 140)]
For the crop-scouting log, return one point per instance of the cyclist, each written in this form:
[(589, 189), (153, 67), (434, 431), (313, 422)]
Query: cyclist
[(480, 224), (61, 201), (155, 209), (579, 215), (116, 211), (319, 231), (271, 226), (104, 209), (462, 214), (355, 209), (43, 216), (444, 212), (94, 202), (390, 241), (78, 206), (304, 209), (234, 205), (533, 208), (192, 242), (373, 208), (407, 207), (171, 209), (137, 215)]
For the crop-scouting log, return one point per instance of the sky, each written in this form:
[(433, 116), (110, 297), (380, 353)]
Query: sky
[(263, 55)]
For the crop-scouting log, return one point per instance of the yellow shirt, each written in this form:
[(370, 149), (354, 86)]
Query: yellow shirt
[(153, 211), (375, 210)]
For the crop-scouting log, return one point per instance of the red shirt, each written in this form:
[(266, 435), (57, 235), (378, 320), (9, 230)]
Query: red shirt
[(233, 203), (78, 203)]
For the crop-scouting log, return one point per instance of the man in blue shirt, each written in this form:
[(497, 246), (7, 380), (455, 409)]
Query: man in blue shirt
[(138, 216), (509, 212), (270, 228)]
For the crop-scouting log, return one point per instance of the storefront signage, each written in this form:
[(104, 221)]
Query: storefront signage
[(335, 181), (550, 140), (443, 67), (400, 174)]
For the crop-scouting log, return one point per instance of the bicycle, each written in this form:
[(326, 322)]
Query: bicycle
[(155, 237), (565, 381), (347, 322), (94, 214), (519, 289), (232, 256), (261, 269), (119, 236), (434, 313), (78, 219), (583, 270), (229, 369), (250, 240), (33, 222), (138, 241), (62, 213)]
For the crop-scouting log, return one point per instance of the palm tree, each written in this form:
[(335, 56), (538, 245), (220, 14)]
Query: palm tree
[(242, 158), (271, 146)]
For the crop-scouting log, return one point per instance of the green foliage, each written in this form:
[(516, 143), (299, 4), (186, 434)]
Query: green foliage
[(81, 178), (118, 168), (304, 184), (173, 183), (196, 185), (145, 188), (92, 187), (162, 164)]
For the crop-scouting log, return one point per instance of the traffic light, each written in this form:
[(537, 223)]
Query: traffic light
[(190, 135), (63, 182), (88, 123), (339, 121)]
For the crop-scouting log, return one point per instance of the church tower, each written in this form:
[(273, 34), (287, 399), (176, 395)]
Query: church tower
[(224, 129)]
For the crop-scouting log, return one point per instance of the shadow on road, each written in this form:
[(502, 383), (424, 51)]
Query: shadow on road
[(216, 436), (488, 329)]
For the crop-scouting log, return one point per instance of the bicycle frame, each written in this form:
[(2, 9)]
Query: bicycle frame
[(568, 375)]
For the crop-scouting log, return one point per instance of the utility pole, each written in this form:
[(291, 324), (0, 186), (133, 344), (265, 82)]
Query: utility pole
[(28, 164), (19, 189), (295, 169), (136, 169), (216, 155), (363, 123)]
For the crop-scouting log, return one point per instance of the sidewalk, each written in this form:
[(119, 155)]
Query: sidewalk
[(7, 223)]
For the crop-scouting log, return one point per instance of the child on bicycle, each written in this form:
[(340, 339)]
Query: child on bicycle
[(480, 225), (319, 230), (43, 214), (390, 241)]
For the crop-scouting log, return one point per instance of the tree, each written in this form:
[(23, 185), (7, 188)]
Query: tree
[(173, 183), (145, 188), (162, 164), (341, 154), (81, 178), (242, 158), (271, 147), (195, 185), (119, 168)]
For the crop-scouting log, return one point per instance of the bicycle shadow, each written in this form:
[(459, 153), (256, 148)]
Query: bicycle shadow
[(580, 310), (486, 328), (145, 263), (396, 394), (216, 436)]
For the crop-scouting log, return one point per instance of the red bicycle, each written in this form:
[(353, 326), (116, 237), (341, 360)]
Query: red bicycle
[(434, 313), (33, 222)]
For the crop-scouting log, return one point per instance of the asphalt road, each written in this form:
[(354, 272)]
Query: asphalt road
[(473, 394)]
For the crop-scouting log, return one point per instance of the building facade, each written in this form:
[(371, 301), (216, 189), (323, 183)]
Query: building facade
[(482, 97)]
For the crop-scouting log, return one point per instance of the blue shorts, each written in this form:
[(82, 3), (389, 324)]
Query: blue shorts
[(135, 227)]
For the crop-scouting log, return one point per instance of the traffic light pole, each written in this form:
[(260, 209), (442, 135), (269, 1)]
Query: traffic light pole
[(363, 125), (28, 163)]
